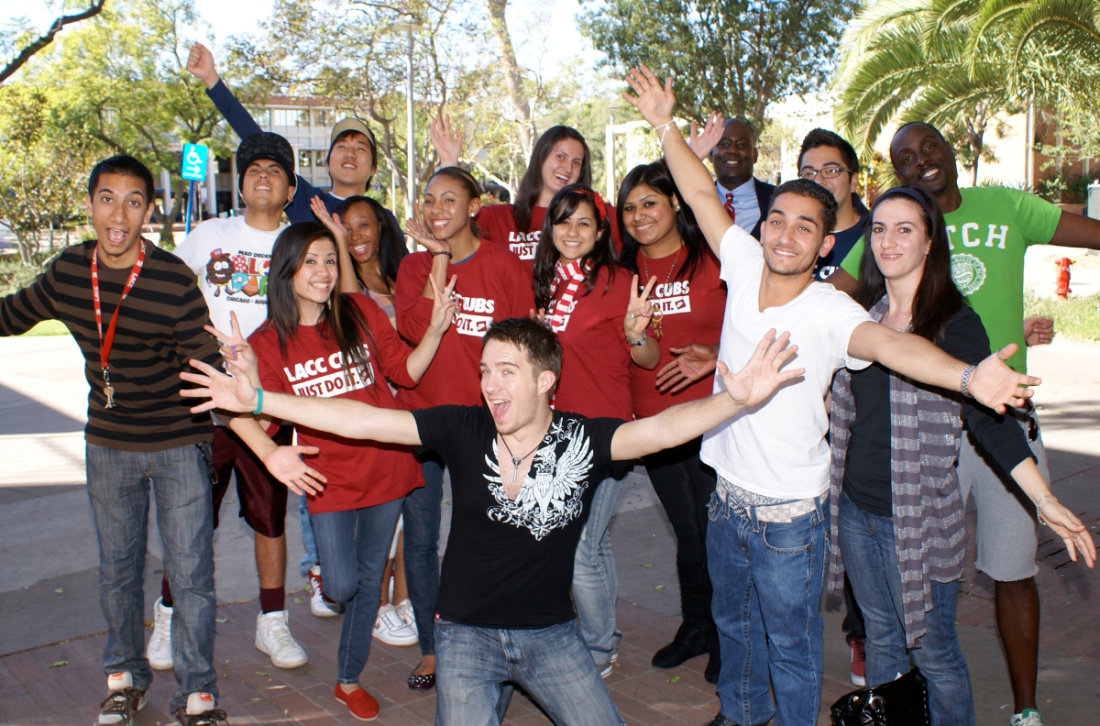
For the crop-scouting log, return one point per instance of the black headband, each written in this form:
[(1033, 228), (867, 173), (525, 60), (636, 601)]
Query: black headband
[(910, 193)]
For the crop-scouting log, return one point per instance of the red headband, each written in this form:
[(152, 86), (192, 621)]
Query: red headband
[(597, 201)]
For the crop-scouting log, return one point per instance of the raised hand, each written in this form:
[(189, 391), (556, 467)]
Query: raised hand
[(639, 311), (418, 229), (200, 63), (1038, 331), (447, 143), (235, 348), (331, 221), (285, 464), (701, 142), (995, 385), (227, 393), (759, 379), (653, 101), (1067, 526), (691, 363), (444, 305)]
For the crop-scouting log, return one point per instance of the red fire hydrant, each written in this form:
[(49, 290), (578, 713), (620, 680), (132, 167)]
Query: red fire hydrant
[(1061, 289)]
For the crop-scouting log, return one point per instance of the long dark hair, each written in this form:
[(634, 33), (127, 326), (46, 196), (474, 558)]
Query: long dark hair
[(527, 196), (391, 240), (562, 206), (656, 176), (937, 298), (341, 320), (466, 179)]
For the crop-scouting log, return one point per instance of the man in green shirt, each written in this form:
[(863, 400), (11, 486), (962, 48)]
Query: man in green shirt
[(990, 229)]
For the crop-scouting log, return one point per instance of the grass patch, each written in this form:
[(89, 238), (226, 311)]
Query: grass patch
[(48, 327), (1077, 318)]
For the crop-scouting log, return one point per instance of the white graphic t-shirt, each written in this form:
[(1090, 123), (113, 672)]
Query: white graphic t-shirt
[(518, 552), (231, 261)]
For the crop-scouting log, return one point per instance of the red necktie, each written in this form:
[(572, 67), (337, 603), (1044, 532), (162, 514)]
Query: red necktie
[(729, 207)]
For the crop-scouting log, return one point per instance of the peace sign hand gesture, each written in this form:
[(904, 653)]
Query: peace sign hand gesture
[(236, 350), (639, 311), (653, 101), (444, 305)]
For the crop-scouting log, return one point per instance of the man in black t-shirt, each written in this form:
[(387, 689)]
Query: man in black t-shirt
[(516, 517)]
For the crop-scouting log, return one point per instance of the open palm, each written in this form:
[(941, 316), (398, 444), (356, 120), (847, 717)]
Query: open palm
[(760, 377)]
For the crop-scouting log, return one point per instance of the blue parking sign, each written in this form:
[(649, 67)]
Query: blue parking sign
[(194, 162)]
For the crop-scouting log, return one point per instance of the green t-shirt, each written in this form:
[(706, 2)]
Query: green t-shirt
[(989, 234)]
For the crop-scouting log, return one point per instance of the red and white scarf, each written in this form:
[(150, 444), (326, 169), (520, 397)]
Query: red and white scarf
[(561, 305)]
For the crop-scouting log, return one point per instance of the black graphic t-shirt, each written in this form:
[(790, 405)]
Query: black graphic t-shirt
[(509, 563)]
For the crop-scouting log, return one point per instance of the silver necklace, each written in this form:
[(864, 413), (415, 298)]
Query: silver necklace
[(517, 460)]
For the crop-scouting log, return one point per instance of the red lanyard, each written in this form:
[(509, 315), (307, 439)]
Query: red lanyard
[(105, 342)]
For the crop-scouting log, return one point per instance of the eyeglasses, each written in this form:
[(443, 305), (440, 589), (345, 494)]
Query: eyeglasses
[(828, 172)]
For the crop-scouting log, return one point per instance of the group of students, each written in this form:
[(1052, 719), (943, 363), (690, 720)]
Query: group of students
[(536, 351)]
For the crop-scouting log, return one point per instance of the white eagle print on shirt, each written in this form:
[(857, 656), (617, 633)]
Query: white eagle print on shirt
[(552, 497)]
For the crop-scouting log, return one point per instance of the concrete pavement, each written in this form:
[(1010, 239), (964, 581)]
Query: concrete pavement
[(49, 606)]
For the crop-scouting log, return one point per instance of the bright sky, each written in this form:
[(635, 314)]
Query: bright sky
[(532, 24)]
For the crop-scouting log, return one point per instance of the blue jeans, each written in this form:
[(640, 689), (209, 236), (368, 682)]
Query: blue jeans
[(595, 585), (421, 512), (551, 664), (767, 585), (310, 558), (118, 487), (354, 546), (871, 560)]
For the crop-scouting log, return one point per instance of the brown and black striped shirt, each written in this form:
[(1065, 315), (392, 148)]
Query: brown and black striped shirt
[(159, 330)]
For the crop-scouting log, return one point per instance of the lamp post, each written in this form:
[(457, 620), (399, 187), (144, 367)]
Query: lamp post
[(410, 24)]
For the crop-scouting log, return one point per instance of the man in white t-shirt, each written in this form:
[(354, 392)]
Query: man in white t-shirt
[(766, 540), (231, 259)]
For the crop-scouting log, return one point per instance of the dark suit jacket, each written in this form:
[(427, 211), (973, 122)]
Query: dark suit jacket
[(764, 193)]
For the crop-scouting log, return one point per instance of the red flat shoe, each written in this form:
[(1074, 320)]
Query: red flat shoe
[(360, 703)]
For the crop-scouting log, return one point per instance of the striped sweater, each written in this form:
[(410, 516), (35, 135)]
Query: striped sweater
[(160, 327)]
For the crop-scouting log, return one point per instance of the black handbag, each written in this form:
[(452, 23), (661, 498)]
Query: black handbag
[(903, 702)]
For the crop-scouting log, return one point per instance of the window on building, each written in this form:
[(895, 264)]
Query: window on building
[(289, 117), (322, 158), (305, 158), (261, 117), (323, 117)]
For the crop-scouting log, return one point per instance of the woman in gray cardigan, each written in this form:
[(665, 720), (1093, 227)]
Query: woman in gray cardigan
[(897, 512)]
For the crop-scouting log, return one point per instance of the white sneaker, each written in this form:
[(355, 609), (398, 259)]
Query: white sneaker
[(319, 605), (405, 610), (391, 629), (122, 703), (273, 637), (1028, 717), (159, 650), (201, 711)]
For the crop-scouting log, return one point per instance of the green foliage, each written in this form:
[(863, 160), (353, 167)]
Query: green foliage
[(733, 56), (1077, 318)]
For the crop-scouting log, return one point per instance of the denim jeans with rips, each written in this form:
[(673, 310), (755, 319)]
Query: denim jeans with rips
[(119, 483)]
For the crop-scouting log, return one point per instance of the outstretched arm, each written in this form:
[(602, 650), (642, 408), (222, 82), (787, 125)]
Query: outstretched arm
[(656, 104), (750, 386), (992, 383), (1052, 513), (340, 416), (1076, 230)]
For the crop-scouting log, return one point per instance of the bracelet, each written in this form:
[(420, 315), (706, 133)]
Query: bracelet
[(964, 385), (1039, 502), (259, 402), (663, 129), (639, 344), (443, 252)]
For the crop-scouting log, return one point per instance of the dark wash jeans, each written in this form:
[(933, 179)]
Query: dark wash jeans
[(118, 488)]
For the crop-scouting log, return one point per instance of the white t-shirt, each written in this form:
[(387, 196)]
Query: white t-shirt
[(778, 449), (231, 261)]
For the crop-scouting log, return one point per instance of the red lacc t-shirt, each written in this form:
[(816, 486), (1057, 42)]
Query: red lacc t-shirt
[(360, 473), (693, 310), (492, 285), (498, 225), (595, 366)]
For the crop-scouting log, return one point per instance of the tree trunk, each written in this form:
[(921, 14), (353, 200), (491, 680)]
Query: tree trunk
[(520, 106), (167, 240), (28, 247)]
